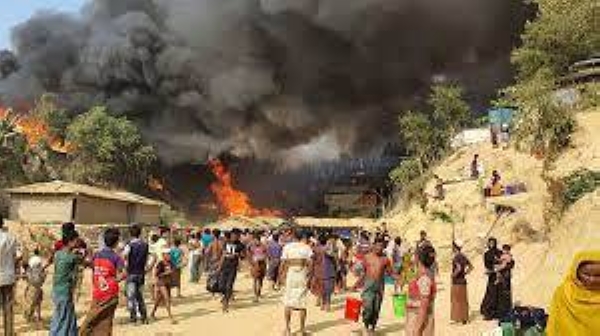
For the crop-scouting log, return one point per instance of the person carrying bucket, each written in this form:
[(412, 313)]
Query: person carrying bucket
[(377, 266)]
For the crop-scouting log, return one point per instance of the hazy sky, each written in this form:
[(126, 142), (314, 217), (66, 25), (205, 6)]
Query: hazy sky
[(13, 12)]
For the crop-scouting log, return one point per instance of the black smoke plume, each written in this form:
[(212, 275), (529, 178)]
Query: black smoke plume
[(288, 81)]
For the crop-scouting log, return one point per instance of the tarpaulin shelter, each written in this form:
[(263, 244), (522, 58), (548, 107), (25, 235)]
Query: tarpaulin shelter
[(501, 116)]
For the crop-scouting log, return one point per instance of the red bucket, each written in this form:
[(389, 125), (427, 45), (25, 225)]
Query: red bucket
[(353, 306)]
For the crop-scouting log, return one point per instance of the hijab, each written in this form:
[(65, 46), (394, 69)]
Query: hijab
[(575, 308)]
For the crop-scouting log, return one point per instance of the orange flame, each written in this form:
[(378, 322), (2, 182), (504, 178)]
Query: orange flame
[(232, 201), (36, 131)]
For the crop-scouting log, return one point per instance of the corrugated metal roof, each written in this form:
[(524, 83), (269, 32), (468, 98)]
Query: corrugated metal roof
[(67, 188)]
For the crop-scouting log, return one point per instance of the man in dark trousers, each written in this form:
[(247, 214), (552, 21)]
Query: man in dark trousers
[(233, 251), (136, 257)]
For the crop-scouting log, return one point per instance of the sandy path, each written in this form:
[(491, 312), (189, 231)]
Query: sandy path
[(197, 313)]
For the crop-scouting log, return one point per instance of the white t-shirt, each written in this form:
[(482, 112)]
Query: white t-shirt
[(8, 253), (158, 247), (296, 250)]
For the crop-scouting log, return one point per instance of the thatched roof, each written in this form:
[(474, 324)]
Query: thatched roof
[(67, 188), (335, 223), (242, 222)]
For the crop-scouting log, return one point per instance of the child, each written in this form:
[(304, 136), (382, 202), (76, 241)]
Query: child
[(36, 276), (162, 287), (504, 262)]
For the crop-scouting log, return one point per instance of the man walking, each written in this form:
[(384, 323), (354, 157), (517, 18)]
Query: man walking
[(107, 272), (136, 257), (8, 261), (377, 265), (234, 251)]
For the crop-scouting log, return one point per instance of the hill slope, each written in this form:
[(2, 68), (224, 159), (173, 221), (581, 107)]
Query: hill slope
[(543, 252)]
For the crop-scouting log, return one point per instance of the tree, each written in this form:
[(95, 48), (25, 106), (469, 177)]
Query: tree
[(428, 135), (109, 150), (543, 124), (449, 109), (564, 32), (56, 119), (13, 151), (417, 135)]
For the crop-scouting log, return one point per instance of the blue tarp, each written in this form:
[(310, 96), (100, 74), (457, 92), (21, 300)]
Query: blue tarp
[(501, 115)]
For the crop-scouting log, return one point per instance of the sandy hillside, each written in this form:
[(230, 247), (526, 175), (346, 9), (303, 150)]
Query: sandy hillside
[(543, 252)]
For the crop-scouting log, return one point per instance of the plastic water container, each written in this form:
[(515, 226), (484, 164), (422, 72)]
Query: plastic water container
[(353, 307), (508, 329), (399, 302)]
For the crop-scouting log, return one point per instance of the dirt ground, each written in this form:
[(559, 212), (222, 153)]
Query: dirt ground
[(198, 313), (541, 263)]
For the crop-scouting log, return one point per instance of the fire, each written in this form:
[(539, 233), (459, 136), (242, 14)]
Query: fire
[(36, 131), (230, 200)]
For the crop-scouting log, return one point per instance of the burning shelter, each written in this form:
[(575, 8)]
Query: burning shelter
[(363, 195), (58, 201)]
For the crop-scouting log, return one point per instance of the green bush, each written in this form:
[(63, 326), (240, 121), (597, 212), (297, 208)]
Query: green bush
[(590, 95), (443, 216), (407, 171), (579, 184)]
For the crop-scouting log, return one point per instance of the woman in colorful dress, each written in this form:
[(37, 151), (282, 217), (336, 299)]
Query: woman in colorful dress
[(274, 249), (421, 296), (257, 257)]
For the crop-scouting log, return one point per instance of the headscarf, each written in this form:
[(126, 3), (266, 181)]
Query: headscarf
[(575, 309)]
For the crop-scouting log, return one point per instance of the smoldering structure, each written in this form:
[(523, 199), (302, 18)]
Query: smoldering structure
[(301, 93), (288, 81)]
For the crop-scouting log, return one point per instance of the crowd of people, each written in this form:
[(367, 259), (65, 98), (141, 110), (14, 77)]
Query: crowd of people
[(296, 262)]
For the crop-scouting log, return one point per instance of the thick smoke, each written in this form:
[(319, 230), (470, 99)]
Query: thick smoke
[(282, 80)]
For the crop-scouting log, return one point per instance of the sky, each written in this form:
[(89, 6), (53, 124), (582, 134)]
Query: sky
[(13, 12)]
